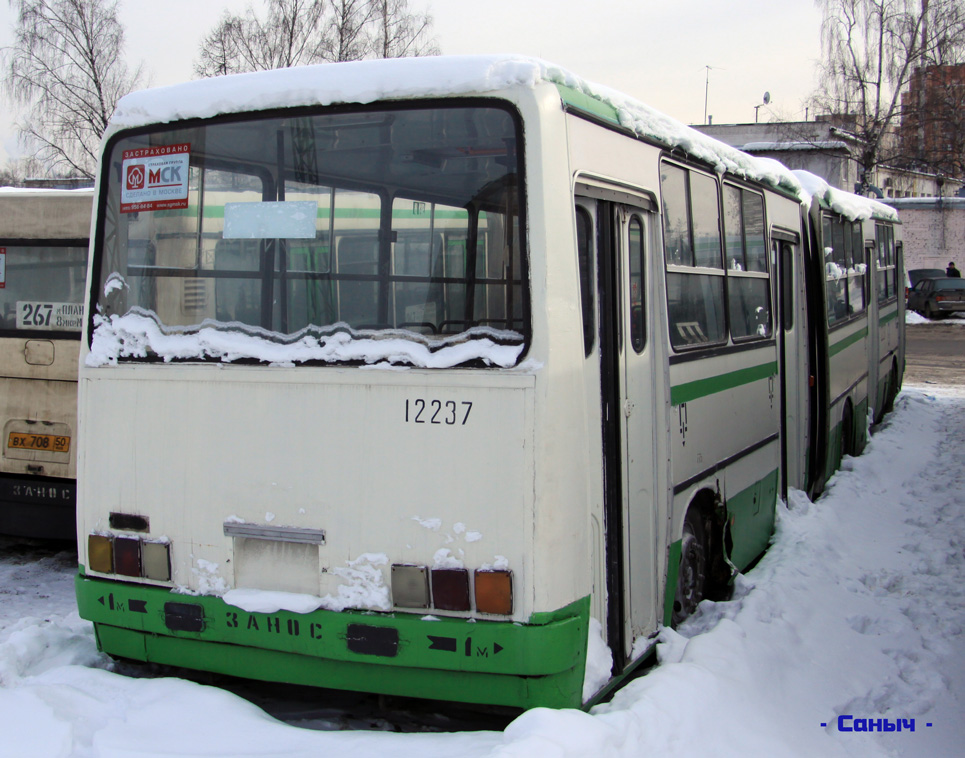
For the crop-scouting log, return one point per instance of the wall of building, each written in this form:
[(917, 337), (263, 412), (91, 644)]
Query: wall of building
[(933, 230)]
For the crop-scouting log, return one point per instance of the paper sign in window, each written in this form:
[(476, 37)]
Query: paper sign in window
[(294, 219), (155, 178)]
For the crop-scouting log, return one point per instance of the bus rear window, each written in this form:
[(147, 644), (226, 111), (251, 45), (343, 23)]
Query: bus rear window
[(42, 288), (316, 229)]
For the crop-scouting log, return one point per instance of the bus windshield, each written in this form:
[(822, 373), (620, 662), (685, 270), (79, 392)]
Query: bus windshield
[(355, 225)]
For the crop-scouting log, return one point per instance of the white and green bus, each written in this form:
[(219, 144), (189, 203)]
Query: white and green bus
[(44, 238), (426, 377), (858, 359)]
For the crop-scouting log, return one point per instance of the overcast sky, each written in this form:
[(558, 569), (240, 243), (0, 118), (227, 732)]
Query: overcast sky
[(656, 50)]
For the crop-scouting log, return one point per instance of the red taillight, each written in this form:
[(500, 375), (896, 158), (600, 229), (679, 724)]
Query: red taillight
[(127, 556), (450, 589)]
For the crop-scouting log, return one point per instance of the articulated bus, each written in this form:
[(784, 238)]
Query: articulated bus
[(858, 360), (417, 377), (44, 238)]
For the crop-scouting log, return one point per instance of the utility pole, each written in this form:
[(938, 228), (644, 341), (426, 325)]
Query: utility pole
[(707, 90)]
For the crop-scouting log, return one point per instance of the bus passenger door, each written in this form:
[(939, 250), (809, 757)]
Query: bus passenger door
[(620, 342), (796, 368), (639, 414)]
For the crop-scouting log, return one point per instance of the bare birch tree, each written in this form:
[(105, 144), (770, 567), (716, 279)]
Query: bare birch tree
[(933, 110), (871, 49), (401, 34), (66, 71), (347, 35), (298, 32), (290, 35)]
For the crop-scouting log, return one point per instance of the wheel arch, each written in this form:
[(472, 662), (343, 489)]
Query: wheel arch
[(707, 505)]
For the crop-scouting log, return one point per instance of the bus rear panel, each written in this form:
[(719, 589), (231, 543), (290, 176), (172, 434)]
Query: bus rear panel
[(43, 267)]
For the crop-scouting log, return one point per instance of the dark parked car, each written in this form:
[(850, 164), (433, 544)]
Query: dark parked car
[(915, 275), (935, 298)]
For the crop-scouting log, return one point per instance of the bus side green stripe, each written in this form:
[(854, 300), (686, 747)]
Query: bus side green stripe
[(847, 342), (684, 393), (888, 317)]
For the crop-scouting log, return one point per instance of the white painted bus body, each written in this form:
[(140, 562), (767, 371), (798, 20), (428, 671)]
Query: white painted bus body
[(572, 467)]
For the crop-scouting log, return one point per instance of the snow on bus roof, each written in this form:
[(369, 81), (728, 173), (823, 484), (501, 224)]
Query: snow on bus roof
[(371, 81), (855, 207)]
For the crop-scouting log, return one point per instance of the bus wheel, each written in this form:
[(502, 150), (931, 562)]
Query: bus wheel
[(892, 390), (692, 576), (847, 431)]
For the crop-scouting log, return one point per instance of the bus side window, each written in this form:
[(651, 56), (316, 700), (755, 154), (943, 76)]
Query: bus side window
[(584, 252), (692, 248), (749, 286), (635, 253), (787, 284), (836, 266), (887, 270)]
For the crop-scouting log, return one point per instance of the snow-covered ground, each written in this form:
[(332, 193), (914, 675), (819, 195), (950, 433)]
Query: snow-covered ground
[(856, 612), (958, 319)]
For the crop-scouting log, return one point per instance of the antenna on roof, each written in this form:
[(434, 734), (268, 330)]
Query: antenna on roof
[(707, 87), (767, 101)]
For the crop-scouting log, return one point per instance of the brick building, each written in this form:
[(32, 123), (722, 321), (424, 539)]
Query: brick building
[(932, 128)]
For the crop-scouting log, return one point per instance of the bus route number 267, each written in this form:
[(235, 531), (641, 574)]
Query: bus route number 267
[(447, 412), (34, 314)]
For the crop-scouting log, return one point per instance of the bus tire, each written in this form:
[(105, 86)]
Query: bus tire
[(848, 435), (892, 390), (692, 574)]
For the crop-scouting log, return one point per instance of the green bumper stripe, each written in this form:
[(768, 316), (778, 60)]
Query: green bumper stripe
[(685, 393), (847, 342), (491, 662)]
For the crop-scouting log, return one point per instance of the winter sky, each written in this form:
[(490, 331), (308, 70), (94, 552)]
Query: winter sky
[(654, 50)]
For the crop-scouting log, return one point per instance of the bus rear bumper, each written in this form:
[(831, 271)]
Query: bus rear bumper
[(483, 662), (38, 507)]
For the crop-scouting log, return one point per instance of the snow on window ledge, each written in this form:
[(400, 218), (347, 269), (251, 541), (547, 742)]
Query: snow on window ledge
[(138, 334)]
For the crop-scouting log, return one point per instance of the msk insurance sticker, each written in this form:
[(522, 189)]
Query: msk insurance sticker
[(155, 178)]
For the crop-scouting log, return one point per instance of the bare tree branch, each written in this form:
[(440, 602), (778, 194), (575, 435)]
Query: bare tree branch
[(872, 49), (401, 34), (66, 72), (346, 37), (298, 32)]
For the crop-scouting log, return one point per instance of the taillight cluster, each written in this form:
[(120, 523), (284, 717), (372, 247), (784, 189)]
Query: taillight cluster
[(450, 589), (484, 590), (127, 555)]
